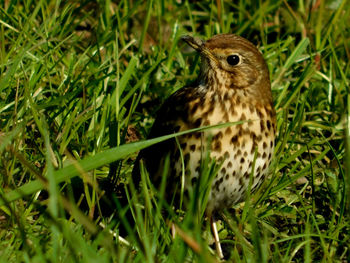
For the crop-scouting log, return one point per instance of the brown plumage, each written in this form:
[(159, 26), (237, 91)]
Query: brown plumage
[(233, 86)]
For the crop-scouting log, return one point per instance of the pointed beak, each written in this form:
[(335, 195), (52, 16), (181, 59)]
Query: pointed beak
[(195, 43), (198, 45)]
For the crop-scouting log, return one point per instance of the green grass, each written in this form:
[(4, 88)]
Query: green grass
[(78, 83)]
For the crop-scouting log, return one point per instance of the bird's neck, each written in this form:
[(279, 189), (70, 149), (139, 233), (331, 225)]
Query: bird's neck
[(217, 81), (213, 80), (220, 83)]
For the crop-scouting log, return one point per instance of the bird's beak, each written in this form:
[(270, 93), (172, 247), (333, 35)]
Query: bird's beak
[(199, 46), (195, 43)]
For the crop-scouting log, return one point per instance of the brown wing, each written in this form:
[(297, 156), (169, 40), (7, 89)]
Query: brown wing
[(170, 116)]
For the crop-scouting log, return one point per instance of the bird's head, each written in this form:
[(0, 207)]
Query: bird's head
[(235, 62)]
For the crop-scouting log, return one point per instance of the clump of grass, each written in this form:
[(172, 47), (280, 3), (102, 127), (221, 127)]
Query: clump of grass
[(79, 82)]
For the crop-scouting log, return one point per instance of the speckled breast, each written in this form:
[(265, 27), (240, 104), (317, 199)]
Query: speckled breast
[(234, 146)]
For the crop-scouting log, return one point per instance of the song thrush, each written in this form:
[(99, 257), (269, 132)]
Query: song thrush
[(233, 85)]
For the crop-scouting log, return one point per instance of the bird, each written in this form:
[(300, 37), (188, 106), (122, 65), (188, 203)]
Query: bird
[(233, 87)]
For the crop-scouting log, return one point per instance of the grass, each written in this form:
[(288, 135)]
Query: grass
[(81, 81)]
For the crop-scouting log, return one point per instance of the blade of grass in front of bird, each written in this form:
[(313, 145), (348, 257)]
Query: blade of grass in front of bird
[(98, 160)]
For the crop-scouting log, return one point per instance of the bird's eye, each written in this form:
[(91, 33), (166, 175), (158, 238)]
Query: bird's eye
[(233, 60)]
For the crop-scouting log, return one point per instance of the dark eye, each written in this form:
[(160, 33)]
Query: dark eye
[(233, 60)]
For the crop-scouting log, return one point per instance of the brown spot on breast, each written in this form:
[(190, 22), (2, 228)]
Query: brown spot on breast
[(228, 131), (238, 99), (265, 165), (274, 126), (260, 113), (262, 125), (268, 162), (227, 155), (218, 136), (252, 135), (250, 164), (217, 146), (218, 183), (251, 108), (226, 117), (226, 96), (197, 122), (254, 146), (264, 155), (216, 186), (268, 124), (183, 145), (229, 164), (264, 145), (246, 175), (189, 136), (242, 160), (233, 110), (234, 139), (246, 130), (192, 147), (194, 108), (223, 171), (212, 104)]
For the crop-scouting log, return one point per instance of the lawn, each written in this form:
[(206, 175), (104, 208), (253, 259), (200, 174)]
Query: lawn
[(80, 85)]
